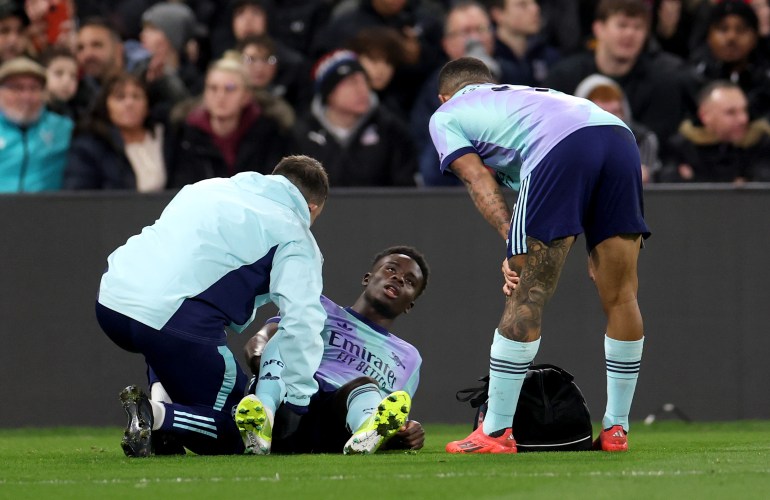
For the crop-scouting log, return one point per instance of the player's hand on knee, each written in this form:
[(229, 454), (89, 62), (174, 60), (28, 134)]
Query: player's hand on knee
[(510, 277)]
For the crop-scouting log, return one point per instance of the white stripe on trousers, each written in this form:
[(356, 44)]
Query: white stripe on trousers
[(519, 219)]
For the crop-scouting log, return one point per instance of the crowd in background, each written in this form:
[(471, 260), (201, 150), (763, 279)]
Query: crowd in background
[(151, 95)]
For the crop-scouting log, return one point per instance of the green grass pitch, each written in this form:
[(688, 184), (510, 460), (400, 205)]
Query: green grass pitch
[(667, 460)]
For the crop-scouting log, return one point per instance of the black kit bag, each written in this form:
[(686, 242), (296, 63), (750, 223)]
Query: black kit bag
[(551, 415)]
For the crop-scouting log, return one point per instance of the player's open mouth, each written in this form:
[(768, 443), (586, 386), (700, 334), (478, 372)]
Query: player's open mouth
[(391, 291)]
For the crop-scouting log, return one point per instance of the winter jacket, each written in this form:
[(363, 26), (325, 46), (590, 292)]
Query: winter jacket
[(96, 162), (716, 161), (260, 146), (379, 152), (32, 158), (657, 87)]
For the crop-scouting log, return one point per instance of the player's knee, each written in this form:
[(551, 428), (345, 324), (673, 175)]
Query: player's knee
[(618, 296), (358, 382)]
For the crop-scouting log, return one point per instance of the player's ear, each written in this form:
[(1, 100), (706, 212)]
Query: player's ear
[(365, 280), (409, 308)]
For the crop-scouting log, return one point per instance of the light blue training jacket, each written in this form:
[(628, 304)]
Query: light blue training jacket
[(220, 250)]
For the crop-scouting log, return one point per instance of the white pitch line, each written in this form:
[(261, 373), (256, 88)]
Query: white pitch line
[(143, 482)]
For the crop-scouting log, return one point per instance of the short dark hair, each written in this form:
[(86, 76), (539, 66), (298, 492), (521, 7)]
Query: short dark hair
[(264, 41), (55, 52), (13, 8), (705, 93), (266, 6), (412, 253), (103, 23), (630, 8), (379, 42), (307, 174), (461, 72)]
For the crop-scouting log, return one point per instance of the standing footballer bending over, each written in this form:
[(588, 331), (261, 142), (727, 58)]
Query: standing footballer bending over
[(577, 170)]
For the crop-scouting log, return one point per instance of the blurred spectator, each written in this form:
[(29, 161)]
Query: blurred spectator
[(671, 24), (166, 29), (33, 140), (63, 93), (608, 95), (124, 15), (467, 32), (359, 142), (252, 18), (228, 133), (561, 25), (762, 10), (295, 22), (416, 21), (52, 23), (731, 53), (654, 82), (518, 39), (380, 52), (13, 22), (724, 146), (117, 146), (260, 56), (257, 53), (100, 52)]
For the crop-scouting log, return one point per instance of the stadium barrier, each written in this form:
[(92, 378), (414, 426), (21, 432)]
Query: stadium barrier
[(703, 291)]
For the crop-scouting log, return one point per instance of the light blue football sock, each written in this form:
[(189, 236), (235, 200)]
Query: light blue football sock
[(362, 402), (508, 364), (623, 361), (270, 387)]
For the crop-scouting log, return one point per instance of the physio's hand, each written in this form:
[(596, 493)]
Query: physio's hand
[(411, 436), (253, 352), (287, 420), (511, 279)]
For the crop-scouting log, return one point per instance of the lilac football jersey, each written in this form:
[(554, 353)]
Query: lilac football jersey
[(355, 347), (511, 127)]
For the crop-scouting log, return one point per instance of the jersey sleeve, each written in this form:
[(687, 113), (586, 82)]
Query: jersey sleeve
[(448, 138), (295, 287)]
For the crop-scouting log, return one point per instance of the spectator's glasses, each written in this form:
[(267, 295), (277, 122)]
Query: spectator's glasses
[(269, 60), (227, 88), (18, 89)]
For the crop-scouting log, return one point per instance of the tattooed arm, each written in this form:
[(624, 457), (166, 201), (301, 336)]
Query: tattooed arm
[(484, 191)]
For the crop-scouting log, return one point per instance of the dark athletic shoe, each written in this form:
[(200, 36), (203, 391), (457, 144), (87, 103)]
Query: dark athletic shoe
[(137, 438)]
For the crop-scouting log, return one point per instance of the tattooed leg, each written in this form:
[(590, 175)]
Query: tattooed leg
[(539, 270)]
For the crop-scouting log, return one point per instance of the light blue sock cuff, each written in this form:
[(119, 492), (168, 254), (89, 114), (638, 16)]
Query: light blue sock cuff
[(623, 350), (623, 358), (512, 349)]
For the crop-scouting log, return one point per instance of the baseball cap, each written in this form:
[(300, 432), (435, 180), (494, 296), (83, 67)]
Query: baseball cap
[(21, 66)]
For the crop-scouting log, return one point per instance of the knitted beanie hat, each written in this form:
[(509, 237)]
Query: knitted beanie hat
[(332, 68), (176, 21)]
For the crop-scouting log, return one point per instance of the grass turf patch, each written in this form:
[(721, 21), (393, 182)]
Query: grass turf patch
[(667, 460)]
